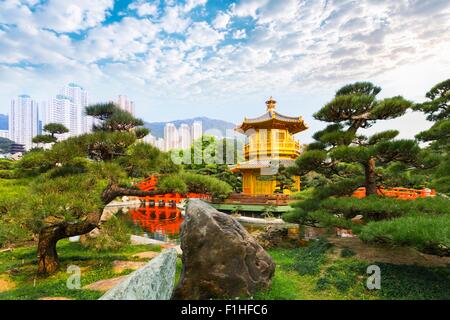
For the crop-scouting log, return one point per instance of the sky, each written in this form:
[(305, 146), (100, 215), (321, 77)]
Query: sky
[(222, 59)]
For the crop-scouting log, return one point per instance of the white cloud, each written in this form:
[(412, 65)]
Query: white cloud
[(173, 22), (221, 20), (64, 16), (192, 4), (144, 9), (201, 34), (291, 47), (239, 34)]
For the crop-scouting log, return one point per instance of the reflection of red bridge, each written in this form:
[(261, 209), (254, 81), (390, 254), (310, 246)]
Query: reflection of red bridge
[(159, 213), (400, 193), (165, 220), (150, 183)]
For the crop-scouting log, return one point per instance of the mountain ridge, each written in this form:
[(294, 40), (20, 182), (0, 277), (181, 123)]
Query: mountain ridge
[(3, 122)]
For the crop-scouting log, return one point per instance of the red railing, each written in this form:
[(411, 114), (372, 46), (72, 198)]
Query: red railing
[(400, 193), (150, 184)]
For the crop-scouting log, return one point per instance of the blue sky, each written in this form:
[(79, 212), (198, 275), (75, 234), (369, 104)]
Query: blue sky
[(223, 59)]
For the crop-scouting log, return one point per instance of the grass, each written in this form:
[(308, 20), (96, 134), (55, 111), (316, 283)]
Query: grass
[(21, 265), (342, 276)]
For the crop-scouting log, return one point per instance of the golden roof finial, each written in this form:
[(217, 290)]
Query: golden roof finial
[(271, 104)]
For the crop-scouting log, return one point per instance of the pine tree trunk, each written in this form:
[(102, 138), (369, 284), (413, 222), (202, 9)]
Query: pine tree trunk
[(371, 183), (47, 256)]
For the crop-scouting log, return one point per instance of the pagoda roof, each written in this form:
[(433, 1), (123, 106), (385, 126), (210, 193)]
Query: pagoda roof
[(258, 164), (273, 120)]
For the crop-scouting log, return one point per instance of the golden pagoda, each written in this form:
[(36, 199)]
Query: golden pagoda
[(270, 145)]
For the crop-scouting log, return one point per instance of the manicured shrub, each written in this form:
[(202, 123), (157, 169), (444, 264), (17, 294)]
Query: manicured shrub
[(114, 235), (205, 184), (380, 208), (429, 234), (172, 184)]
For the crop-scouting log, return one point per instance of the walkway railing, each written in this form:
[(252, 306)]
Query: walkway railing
[(400, 193)]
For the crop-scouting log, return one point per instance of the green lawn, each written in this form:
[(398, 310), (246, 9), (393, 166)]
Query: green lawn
[(308, 273), (20, 266), (318, 271)]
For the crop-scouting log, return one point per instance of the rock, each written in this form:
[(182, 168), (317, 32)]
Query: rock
[(105, 285), (121, 266), (220, 259), (358, 219), (176, 247), (148, 255), (275, 236), (138, 240), (154, 281)]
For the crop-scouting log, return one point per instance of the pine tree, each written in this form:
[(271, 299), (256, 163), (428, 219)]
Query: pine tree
[(339, 146)]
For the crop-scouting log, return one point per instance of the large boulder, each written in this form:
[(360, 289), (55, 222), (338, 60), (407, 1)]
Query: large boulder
[(155, 281), (220, 258)]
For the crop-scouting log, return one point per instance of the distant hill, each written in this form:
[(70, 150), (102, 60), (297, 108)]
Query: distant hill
[(157, 128), (3, 122)]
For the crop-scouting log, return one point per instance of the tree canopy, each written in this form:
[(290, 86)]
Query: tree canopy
[(341, 153)]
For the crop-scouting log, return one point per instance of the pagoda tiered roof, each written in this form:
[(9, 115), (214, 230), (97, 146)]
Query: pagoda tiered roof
[(273, 120)]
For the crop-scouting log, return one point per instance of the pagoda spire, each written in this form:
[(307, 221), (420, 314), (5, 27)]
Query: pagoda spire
[(271, 104)]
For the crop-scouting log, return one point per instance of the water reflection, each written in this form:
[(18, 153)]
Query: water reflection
[(160, 223)]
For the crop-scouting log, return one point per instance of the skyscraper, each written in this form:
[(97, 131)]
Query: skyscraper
[(62, 110), (80, 98), (171, 137), (184, 133), (125, 104), (197, 130), (23, 120)]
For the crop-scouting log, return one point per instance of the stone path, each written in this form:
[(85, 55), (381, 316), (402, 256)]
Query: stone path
[(147, 255), (6, 283), (121, 266), (104, 285)]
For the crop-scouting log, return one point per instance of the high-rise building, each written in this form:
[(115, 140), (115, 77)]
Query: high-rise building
[(197, 130), (62, 110), (80, 98), (151, 139), (160, 144), (171, 137), (23, 120), (184, 133), (125, 104)]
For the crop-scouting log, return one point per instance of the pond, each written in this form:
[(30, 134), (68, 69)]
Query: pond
[(159, 223)]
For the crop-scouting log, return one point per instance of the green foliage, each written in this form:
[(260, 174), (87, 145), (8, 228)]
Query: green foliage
[(437, 108), (338, 147), (429, 234), (205, 184), (347, 253), (114, 235), (309, 260), (55, 128), (6, 164), (52, 129), (13, 193), (5, 144), (345, 278), (141, 160), (44, 138), (380, 208), (172, 184), (209, 156)]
